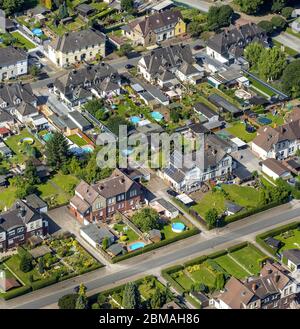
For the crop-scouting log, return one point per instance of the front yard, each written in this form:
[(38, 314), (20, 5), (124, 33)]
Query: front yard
[(79, 141), (23, 41), (290, 239), (238, 129)]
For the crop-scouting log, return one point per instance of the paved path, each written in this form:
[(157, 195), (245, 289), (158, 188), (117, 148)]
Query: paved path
[(156, 260), (198, 4), (289, 40)]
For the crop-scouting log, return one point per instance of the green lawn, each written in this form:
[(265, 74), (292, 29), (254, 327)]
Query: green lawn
[(276, 119), (132, 236), (261, 87), (204, 275), (185, 282), (13, 263), (15, 145), (77, 140), (287, 50), (248, 257), (292, 241), (7, 197), (231, 267), (290, 31), (211, 200), (245, 196), (239, 130), (28, 44)]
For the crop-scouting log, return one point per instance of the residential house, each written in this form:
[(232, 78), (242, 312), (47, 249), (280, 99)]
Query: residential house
[(187, 173), (13, 63), (77, 46), (275, 169), (224, 105), (80, 121), (277, 143), (275, 288), (291, 258), (155, 28), (20, 223), (85, 10), (209, 118), (6, 121), (177, 60), (78, 86), (37, 203), (25, 112), (165, 208), (230, 44), (100, 201), (95, 235)]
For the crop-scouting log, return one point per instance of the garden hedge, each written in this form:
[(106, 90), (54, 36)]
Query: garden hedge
[(237, 247), (196, 261), (192, 301), (16, 292), (153, 246), (43, 283), (261, 237), (173, 283)]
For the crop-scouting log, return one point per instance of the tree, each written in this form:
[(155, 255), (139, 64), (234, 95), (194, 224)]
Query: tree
[(218, 17), (287, 12), (278, 22), (34, 70), (253, 53), (131, 296), (30, 173), (127, 5), (146, 219), (41, 265), (158, 299), (26, 263), (114, 123), (125, 49), (195, 28), (272, 64), (81, 302), (278, 5), (12, 6), (93, 106), (63, 11), (266, 26), (250, 7), (211, 218), (105, 243), (68, 302), (57, 150), (174, 115), (290, 80)]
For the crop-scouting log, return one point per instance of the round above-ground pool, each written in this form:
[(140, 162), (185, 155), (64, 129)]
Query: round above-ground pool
[(157, 116), (27, 140), (37, 32), (135, 120), (178, 227), (136, 245), (88, 149), (264, 121)]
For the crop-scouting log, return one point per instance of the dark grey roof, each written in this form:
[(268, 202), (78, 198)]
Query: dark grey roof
[(167, 205), (204, 110), (233, 207), (223, 103), (9, 93), (293, 255), (198, 128), (78, 40), (95, 233), (19, 215), (174, 173), (35, 202), (154, 233), (273, 242), (5, 116), (11, 56), (26, 109), (79, 118), (85, 9), (115, 249), (236, 39)]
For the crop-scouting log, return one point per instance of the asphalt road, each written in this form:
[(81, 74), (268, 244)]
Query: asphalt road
[(198, 4), (153, 262)]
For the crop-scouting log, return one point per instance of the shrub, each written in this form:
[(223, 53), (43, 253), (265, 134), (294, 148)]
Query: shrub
[(16, 292), (43, 283), (68, 302), (124, 238), (26, 264)]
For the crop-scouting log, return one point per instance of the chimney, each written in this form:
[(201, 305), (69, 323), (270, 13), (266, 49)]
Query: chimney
[(254, 286), (122, 180), (277, 277), (23, 212)]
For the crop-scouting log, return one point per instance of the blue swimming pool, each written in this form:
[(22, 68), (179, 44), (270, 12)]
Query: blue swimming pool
[(37, 32), (135, 120), (47, 137), (264, 121), (178, 227), (87, 149), (136, 245), (157, 116)]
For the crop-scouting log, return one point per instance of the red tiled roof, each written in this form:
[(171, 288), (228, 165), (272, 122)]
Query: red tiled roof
[(4, 130)]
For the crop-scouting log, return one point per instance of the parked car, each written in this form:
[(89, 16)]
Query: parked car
[(198, 47), (129, 66), (40, 54), (172, 192)]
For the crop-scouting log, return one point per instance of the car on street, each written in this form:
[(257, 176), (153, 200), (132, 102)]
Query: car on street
[(172, 192), (40, 54), (128, 66)]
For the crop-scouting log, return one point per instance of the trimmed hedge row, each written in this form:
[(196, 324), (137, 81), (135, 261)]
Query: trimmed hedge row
[(153, 246), (261, 237), (44, 283), (196, 261), (238, 247), (233, 218), (16, 292), (166, 275), (192, 301)]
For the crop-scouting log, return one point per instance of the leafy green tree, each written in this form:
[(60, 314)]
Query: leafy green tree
[(290, 80), (41, 265), (127, 5), (211, 218), (26, 263), (278, 5), (272, 64), (114, 123), (218, 17), (34, 70), (105, 243), (174, 115), (253, 52), (93, 106), (279, 23), (250, 7), (131, 296), (63, 11), (220, 281), (287, 12), (125, 49), (266, 26), (194, 28), (57, 150), (12, 6), (30, 173), (146, 219), (81, 302), (68, 302)]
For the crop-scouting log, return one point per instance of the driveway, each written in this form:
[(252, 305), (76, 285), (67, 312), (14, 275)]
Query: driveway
[(66, 222), (289, 40)]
